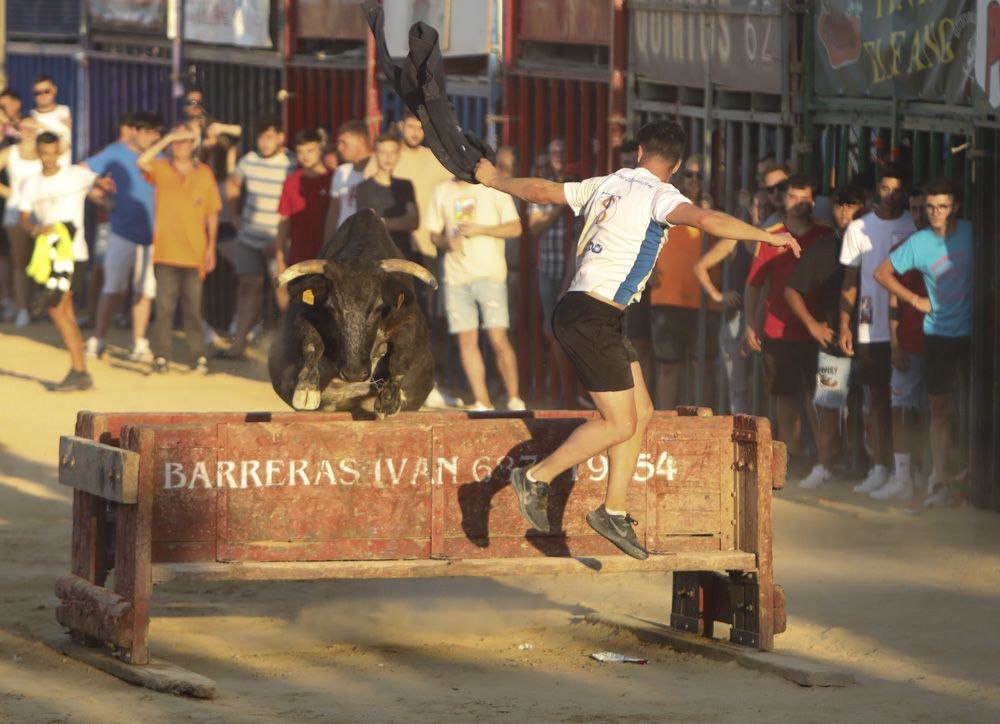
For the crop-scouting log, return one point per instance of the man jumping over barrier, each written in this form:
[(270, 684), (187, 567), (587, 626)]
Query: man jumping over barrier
[(626, 213)]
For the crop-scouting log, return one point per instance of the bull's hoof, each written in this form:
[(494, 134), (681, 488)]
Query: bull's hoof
[(388, 402), (306, 398)]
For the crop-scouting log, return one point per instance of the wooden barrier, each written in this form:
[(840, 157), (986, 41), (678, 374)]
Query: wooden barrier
[(314, 495)]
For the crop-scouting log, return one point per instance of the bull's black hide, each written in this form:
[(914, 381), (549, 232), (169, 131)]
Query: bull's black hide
[(354, 338)]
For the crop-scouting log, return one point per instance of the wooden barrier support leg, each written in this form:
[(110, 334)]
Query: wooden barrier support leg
[(133, 546)]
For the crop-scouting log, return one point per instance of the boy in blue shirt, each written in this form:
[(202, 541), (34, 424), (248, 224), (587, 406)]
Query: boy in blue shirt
[(942, 254), (130, 252)]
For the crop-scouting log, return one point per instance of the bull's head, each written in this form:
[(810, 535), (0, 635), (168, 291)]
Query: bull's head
[(358, 295)]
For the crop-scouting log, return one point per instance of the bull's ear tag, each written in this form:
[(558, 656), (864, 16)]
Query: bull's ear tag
[(308, 298), (399, 301)]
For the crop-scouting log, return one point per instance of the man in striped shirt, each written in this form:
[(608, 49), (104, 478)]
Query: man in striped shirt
[(258, 177)]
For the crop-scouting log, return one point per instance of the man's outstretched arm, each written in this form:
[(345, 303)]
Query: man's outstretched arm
[(532, 190), (724, 226)]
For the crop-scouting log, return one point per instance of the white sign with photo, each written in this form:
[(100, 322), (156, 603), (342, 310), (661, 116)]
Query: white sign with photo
[(246, 23)]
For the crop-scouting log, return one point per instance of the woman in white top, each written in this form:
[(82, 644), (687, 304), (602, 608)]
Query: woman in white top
[(21, 161)]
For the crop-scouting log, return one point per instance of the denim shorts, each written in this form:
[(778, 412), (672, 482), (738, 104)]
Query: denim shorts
[(481, 299), (832, 376), (909, 388)]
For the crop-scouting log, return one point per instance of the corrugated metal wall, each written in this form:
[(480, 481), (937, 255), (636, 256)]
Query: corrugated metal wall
[(469, 100), (120, 85), (324, 96), (238, 92), (43, 18)]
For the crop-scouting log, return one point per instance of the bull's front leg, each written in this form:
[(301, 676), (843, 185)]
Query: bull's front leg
[(307, 394)]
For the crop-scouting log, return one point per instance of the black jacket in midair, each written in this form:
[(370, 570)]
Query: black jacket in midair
[(420, 82)]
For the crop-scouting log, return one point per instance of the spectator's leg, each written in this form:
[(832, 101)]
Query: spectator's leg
[(64, 317), (786, 409), (506, 360), (829, 433), (144, 288), (881, 424), (668, 384), (940, 435), (167, 291), (472, 363), (190, 295), (20, 254), (250, 290)]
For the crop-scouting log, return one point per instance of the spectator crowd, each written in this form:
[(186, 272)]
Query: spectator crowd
[(862, 343)]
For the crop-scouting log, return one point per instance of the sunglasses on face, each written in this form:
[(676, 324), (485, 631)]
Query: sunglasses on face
[(43, 92), (693, 174), (192, 103), (781, 186)]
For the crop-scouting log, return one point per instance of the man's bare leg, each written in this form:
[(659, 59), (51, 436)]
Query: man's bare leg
[(106, 307), (141, 311), (624, 456), (64, 317), (472, 363), (506, 360)]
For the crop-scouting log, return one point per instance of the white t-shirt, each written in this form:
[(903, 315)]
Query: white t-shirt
[(344, 187), (18, 169), (60, 122), (867, 243), (626, 216), (59, 198), (457, 202)]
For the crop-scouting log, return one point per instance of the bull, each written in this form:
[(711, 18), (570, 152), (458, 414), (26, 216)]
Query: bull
[(354, 338)]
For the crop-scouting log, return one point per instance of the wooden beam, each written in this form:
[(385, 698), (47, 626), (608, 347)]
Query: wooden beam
[(97, 612), (699, 561), (102, 470)]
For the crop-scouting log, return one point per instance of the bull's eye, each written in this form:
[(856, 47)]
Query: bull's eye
[(384, 310)]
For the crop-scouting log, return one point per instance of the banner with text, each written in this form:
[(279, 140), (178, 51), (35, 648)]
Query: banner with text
[(740, 49), (246, 23), (881, 48), (143, 15), (988, 50)]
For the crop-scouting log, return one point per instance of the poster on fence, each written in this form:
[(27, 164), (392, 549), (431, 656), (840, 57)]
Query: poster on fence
[(988, 50), (878, 48), (142, 15), (736, 47), (332, 19), (246, 23)]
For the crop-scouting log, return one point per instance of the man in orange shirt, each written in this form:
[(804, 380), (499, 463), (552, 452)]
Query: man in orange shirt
[(186, 222), (676, 303)]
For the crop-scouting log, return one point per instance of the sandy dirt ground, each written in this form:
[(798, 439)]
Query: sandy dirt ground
[(906, 600)]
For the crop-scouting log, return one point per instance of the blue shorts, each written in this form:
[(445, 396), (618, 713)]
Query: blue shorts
[(832, 376), (465, 304), (909, 388)]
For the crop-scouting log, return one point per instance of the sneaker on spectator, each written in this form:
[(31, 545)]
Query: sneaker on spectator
[(201, 366), (161, 366), (940, 497), (516, 404), (208, 332), (141, 352), (8, 309), (816, 478), (23, 318), (480, 407), (75, 380), (438, 400), (94, 348), (895, 489), (877, 477), (255, 333)]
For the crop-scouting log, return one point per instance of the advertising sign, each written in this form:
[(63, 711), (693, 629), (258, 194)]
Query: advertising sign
[(988, 50), (333, 19), (883, 48), (463, 26), (739, 50), (143, 15), (246, 23)]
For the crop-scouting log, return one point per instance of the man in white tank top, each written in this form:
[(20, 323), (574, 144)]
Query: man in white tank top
[(626, 215)]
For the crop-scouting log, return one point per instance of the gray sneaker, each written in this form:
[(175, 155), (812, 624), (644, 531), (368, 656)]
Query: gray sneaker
[(75, 380), (532, 499), (618, 530)]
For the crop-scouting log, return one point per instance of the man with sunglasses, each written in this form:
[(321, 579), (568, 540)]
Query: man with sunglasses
[(867, 243), (943, 255), (676, 303), (52, 116)]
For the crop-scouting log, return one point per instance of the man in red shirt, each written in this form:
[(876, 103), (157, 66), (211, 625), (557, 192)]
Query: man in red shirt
[(305, 199), (789, 350)]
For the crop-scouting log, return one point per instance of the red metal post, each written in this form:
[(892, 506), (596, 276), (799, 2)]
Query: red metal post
[(586, 155), (287, 50), (373, 113), (617, 120), (525, 258), (603, 108)]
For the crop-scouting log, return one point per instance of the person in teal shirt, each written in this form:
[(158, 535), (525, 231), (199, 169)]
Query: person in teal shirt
[(943, 255)]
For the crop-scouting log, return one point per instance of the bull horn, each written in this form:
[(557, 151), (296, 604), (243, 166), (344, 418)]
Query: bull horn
[(309, 266), (401, 266)]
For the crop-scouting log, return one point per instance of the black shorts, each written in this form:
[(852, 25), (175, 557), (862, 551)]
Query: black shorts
[(590, 333), (948, 359), (789, 367), (638, 319), (675, 333), (872, 364)]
